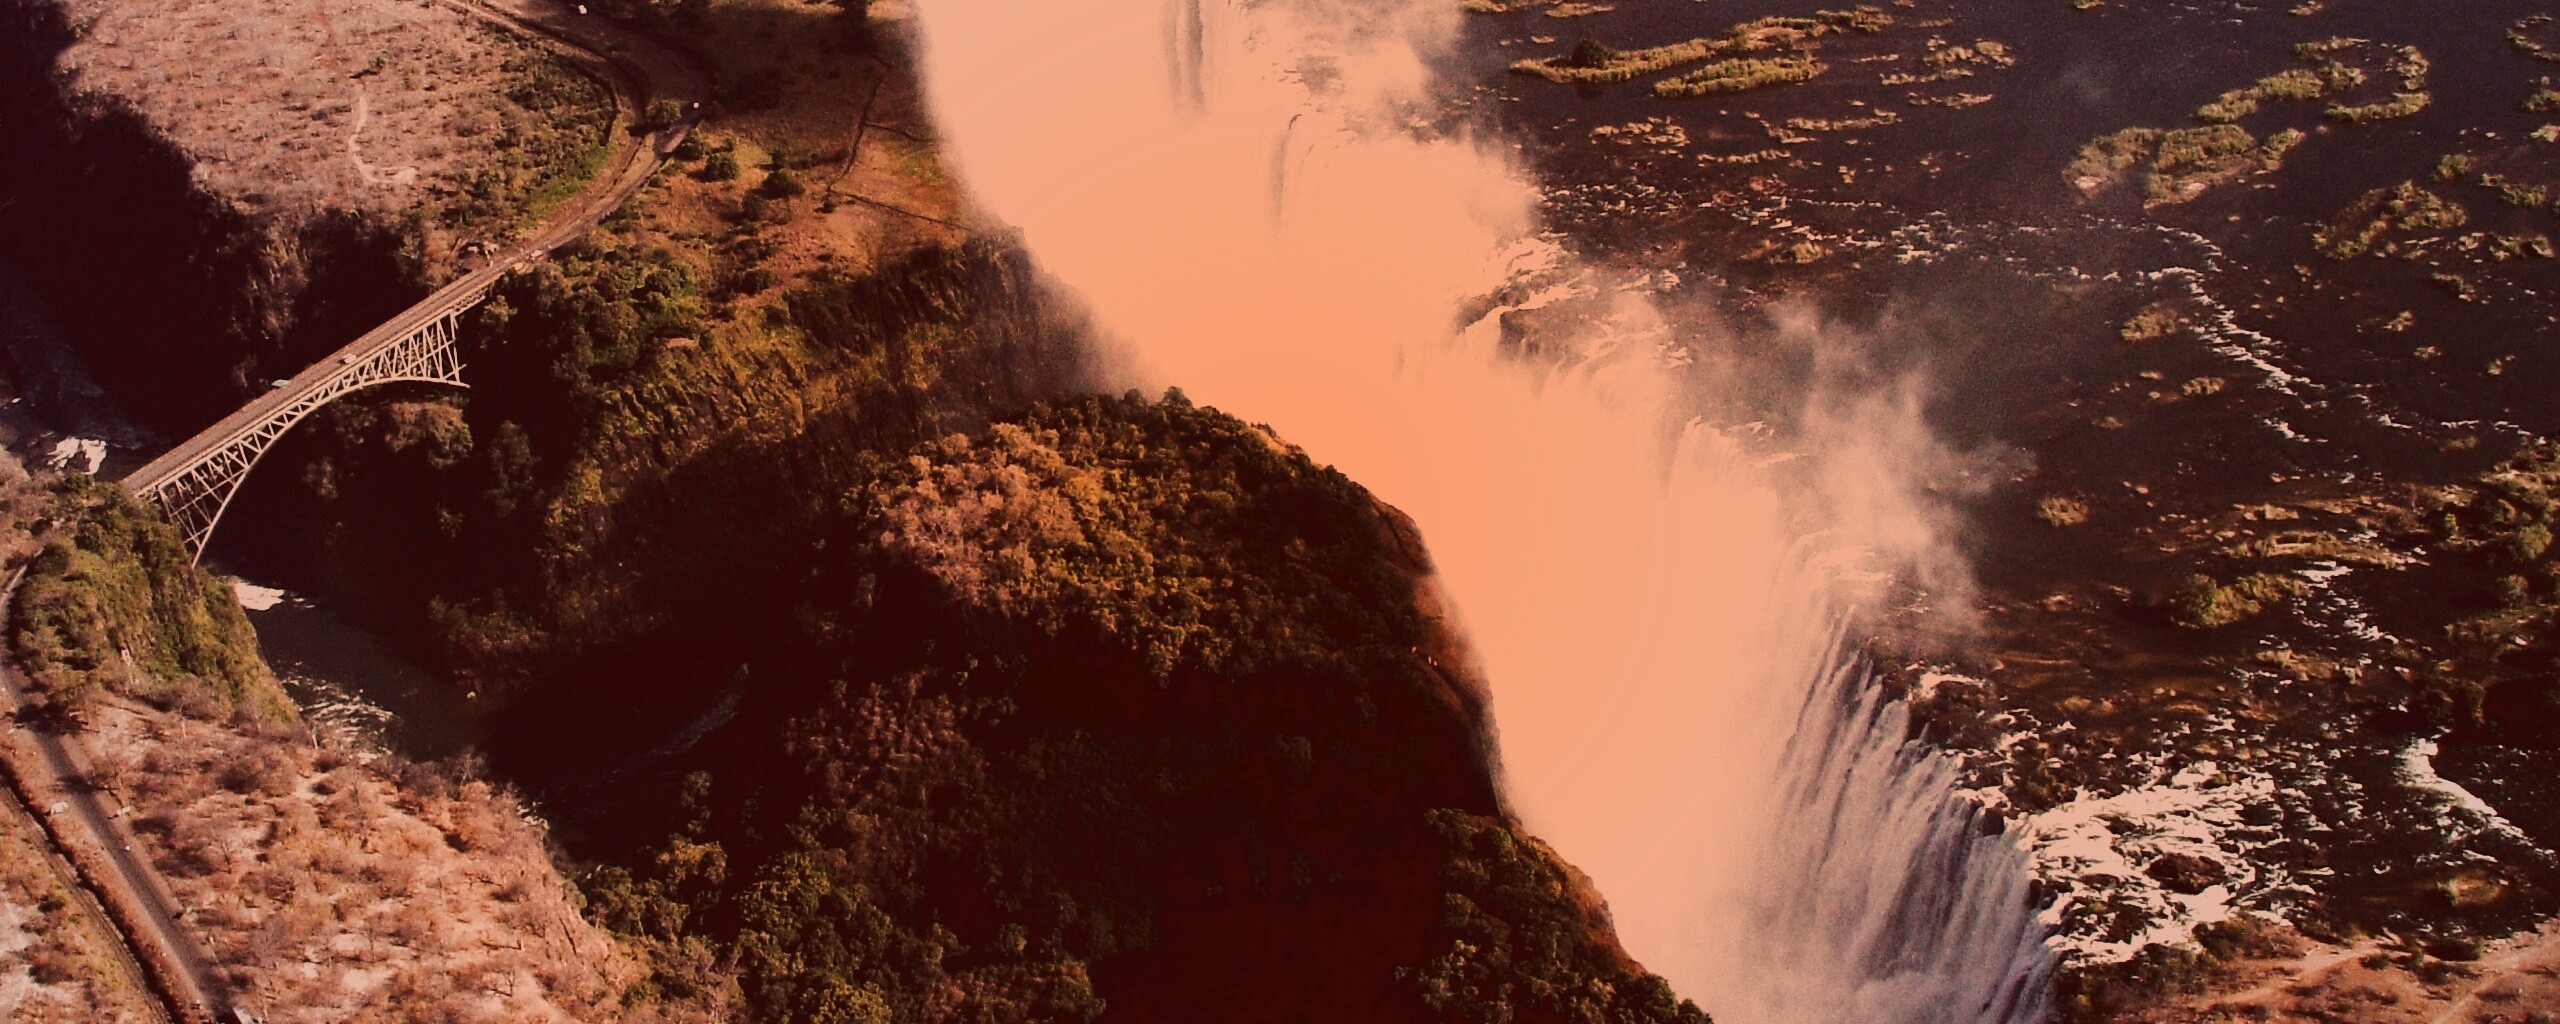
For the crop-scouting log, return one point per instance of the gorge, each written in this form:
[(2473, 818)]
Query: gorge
[(1284, 510), (1673, 705)]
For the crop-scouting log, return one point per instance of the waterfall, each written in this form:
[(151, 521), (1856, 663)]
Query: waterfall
[(1242, 194)]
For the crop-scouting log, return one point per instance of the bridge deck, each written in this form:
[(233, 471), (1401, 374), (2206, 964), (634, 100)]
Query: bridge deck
[(461, 293)]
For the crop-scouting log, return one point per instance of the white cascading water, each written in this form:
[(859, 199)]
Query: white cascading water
[(1233, 190)]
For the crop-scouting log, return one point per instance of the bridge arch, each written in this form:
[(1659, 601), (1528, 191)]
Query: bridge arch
[(194, 482)]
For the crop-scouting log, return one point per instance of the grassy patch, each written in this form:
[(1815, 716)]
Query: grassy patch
[(2399, 105), (2187, 162), (2522, 195), (2192, 160), (2316, 546), (1598, 63), (2104, 160), (561, 187), (551, 139), (2405, 208), (2290, 84), (2062, 510), (1593, 62), (2202, 603), (2532, 36), (1740, 74), (2154, 322)]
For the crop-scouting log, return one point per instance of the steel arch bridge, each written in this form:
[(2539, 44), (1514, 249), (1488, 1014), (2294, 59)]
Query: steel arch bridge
[(194, 482)]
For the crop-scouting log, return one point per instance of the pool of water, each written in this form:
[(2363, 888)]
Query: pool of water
[(355, 689)]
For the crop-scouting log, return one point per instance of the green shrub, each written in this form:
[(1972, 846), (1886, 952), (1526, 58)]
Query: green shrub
[(663, 113), (782, 184), (2399, 105), (2529, 542), (115, 602), (2202, 603)]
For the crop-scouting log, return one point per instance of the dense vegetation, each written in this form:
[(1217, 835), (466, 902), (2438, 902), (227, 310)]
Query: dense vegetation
[(2187, 162), (646, 443), (1739, 74), (114, 602), (2406, 208), (1124, 704)]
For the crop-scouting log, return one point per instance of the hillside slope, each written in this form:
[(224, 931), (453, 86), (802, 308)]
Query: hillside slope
[(1120, 706)]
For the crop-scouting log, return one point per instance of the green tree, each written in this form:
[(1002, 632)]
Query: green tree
[(1591, 53)]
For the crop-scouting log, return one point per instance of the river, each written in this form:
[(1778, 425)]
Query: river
[(355, 689)]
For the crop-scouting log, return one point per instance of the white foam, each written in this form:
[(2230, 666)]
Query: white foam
[(257, 598), (83, 454), (2462, 811), (2096, 849)]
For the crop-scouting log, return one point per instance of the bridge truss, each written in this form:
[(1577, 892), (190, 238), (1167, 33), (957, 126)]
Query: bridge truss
[(194, 483)]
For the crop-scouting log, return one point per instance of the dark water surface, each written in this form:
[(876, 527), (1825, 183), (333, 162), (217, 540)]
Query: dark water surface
[(353, 685)]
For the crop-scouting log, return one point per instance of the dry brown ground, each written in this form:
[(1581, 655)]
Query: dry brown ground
[(334, 889), (59, 959), (373, 105), (2514, 982), (863, 207)]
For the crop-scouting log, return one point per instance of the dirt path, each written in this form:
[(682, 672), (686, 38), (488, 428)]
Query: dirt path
[(50, 772), (13, 807), (365, 170)]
